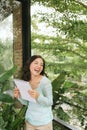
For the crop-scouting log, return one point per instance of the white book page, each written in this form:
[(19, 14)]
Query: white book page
[(23, 87)]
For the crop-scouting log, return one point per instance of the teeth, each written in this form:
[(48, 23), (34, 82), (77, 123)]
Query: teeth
[(37, 70)]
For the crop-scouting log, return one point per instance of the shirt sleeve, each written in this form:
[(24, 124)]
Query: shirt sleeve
[(46, 98)]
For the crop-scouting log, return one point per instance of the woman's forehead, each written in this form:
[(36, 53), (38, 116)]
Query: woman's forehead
[(38, 59)]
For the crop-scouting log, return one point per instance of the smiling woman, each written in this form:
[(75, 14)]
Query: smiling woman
[(39, 114)]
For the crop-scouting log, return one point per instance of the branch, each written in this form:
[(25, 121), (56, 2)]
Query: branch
[(71, 104), (82, 4)]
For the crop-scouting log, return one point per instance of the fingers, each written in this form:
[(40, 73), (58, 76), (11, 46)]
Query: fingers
[(16, 92), (33, 94)]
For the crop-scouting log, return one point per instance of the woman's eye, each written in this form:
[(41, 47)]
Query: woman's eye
[(36, 63), (41, 64)]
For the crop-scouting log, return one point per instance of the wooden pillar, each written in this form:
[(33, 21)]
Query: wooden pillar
[(21, 34), (17, 38)]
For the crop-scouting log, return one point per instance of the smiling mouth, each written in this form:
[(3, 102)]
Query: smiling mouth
[(37, 71)]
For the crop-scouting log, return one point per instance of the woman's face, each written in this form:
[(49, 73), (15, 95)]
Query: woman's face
[(36, 67)]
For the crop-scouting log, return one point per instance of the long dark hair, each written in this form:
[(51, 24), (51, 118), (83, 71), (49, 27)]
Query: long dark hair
[(26, 75)]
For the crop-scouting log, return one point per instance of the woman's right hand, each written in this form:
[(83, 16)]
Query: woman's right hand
[(16, 93)]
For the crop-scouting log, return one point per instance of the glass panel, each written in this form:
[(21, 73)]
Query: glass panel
[(6, 33), (6, 43)]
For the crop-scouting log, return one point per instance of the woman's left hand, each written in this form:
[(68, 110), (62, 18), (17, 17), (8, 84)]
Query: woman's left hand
[(34, 94)]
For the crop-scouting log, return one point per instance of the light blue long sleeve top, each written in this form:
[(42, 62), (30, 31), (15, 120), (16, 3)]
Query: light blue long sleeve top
[(40, 112)]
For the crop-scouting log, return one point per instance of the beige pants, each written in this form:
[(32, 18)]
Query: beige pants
[(43, 127)]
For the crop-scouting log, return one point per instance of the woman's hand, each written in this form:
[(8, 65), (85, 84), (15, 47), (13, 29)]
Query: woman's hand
[(34, 94), (16, 93)]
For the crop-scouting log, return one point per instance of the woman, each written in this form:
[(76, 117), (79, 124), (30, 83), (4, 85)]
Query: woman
[(39, 114)]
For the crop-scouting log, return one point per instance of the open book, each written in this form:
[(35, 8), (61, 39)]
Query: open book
[(23, 87)]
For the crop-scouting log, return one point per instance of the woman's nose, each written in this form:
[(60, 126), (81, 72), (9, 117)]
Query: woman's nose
[(39, 66)]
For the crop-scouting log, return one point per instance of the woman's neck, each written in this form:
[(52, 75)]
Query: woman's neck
[(35, 78)]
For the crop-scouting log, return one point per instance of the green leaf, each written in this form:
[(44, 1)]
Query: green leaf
[(6, 98), (19, 119), (62, 115), (7, 74)]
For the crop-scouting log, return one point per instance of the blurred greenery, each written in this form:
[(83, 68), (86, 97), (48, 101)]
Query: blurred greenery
[(62, 41)]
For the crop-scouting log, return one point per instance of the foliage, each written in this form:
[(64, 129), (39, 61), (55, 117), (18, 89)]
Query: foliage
[(69, 52), (10, 117), (15, 119), (67, 93), (64, 48), (6, 50), (65, 52)]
